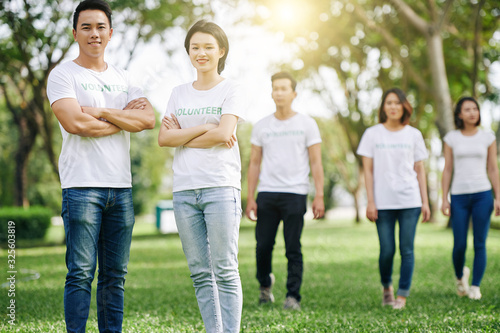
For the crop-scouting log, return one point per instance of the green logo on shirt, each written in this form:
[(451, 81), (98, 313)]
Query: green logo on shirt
[(392, 146), (105, 88), (285, 133), (192, 112)]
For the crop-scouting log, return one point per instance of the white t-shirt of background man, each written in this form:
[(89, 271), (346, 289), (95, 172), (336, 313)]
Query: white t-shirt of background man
[(394, 155), (470, 154), (86, 161), (196, 168), (285, 155)]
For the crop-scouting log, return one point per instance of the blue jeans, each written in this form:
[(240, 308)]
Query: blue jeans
[(463, 206), (98, 223), (208, 221), (386, 225)]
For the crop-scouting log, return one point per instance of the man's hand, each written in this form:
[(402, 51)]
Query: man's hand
[(232, 141), (138, 104), (94, 112), (318, 207), (98, 113), (251, 209)]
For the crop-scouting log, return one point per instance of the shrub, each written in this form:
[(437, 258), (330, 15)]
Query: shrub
[(31, 223)]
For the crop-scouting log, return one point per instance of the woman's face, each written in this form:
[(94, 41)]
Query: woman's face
[(393, 107), (469, 113), (204, 52)]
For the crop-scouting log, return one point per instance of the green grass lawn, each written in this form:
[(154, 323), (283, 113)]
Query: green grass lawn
[(341, 289)]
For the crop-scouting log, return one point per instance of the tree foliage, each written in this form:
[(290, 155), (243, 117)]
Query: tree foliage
[(436, 51), (35, 36)]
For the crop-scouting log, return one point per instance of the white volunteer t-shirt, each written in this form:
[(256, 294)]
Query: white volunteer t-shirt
[(285, 155), (219, 166), (470, 154), (86, 161), (394, 155)]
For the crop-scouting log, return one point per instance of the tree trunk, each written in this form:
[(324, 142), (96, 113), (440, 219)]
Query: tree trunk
[(356, 206), (444, 119), (26, 142)]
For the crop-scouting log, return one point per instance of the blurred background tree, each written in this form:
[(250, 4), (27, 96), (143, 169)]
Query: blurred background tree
[(35, 36), (436, 51), (345, 51)]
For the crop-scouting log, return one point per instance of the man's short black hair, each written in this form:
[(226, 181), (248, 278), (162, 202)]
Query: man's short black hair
[(285, 75), (92, 5)]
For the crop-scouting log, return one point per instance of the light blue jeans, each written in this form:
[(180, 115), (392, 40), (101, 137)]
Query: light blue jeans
[(208, 221), (98, 223)]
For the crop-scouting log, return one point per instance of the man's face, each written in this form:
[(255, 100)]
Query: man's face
[(92, 32), (283, 94)]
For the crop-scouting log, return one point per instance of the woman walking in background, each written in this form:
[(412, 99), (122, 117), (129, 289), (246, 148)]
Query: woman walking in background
[(200, 122), (470, 154), (393, 161)]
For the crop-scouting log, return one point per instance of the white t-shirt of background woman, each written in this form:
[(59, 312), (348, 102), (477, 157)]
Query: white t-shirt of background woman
[(470, 155), (394, 155), (219, 166)]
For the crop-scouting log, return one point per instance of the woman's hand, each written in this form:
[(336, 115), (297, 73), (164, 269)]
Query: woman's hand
[(496, 207), (171, 122), (426, 213), (371, 212), (445, 207)]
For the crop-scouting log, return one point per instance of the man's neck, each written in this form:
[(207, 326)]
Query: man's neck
[(283, 113), (95, 64)]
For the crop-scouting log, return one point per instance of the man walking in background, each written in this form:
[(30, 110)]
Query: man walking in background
[(97, 107), (288, 144)]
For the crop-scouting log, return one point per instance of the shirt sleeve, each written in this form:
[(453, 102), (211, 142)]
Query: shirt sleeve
[(448, 139), (313, 136), (256, 138), (134, 90), (60, 85), (234, 102), (420, 152), (490, 138), (365, 147), (171, 103)]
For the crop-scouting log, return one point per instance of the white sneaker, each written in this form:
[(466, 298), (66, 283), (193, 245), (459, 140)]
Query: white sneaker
[(266, 294), (463, 283), (475, 293)]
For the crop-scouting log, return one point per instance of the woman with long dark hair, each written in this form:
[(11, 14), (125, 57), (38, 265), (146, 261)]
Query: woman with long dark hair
[(470, 154)]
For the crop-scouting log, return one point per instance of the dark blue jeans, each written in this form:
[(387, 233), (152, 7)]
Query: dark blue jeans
[(463, 206), (98, 223), (386, 226), (271, 209)]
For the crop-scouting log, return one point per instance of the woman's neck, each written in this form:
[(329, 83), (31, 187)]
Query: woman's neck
[(393, 125), (207, 80), (469, 130)]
